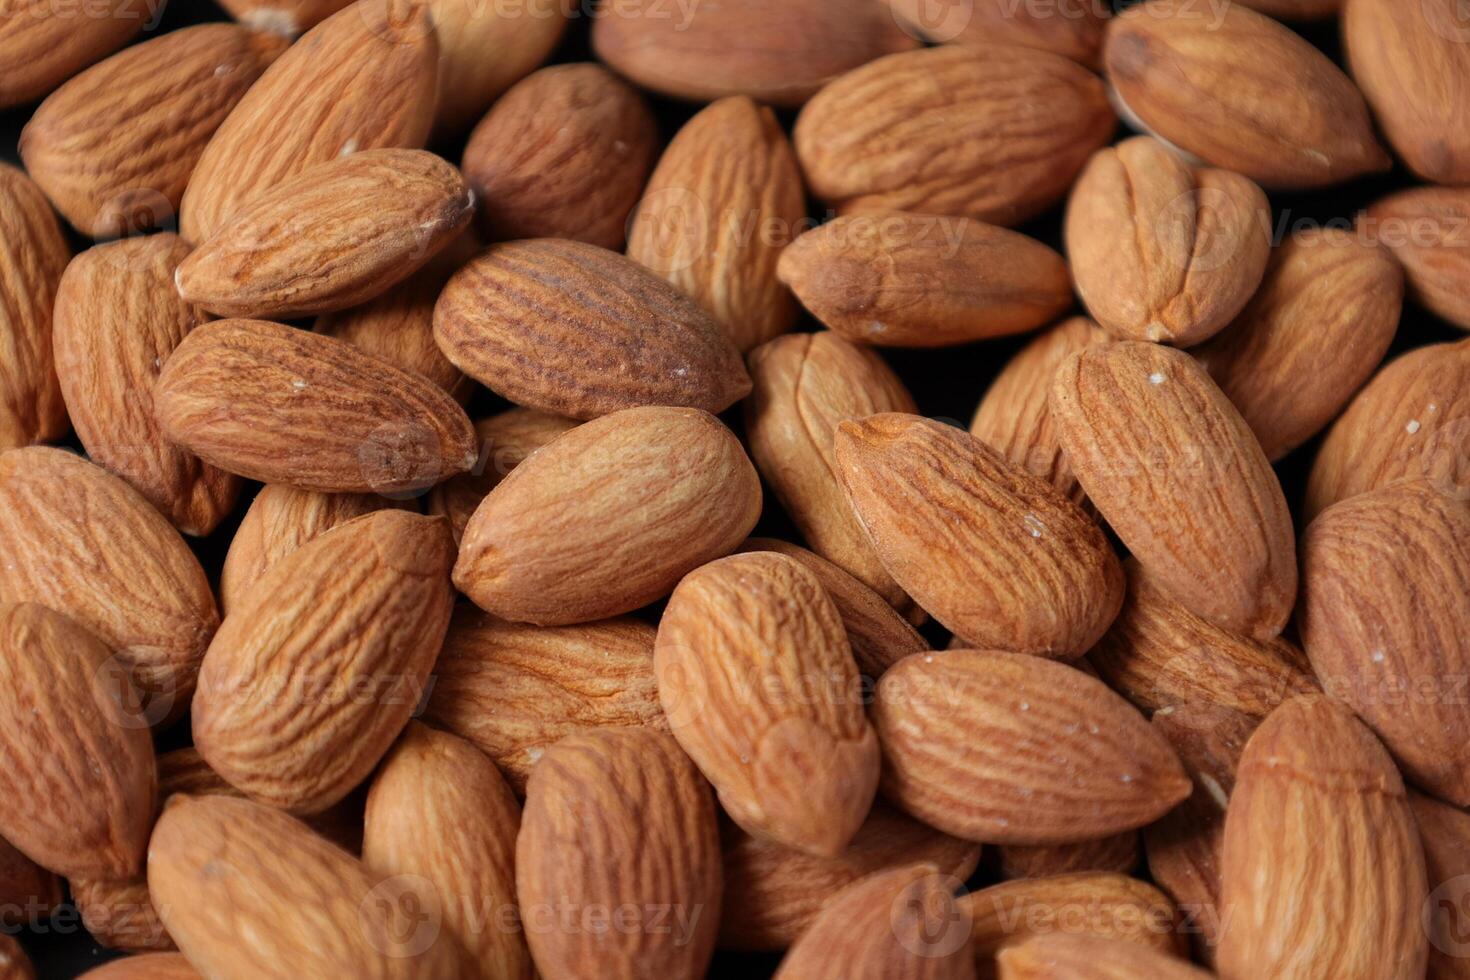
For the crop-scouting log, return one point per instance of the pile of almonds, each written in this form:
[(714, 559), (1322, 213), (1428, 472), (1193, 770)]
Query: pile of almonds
[(308, 672)]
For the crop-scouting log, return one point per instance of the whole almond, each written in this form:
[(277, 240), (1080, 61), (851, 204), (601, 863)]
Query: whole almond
[(1162, 250), (1013, 749), (484, 50), (1117, 854), (150, 966), (556, 542), (282, 405), (564, 154), (1141, 423), (28, 892), (114, 147), (1211, 83), (1428, 231), (1445, 832), (995, 134), (619, 819), (1062, 956), (1318, 820), (14, 964), (1071, 29), (995, 554), (286, 17), (912, 280), (42, 44)]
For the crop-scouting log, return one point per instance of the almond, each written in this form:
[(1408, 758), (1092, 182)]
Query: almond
[(281, 405), (1073, 28), (151, 966), (564, 154), (28, 892), (758, 682), (1117, 854), (1143, 424), (725, 199), (1162, 250), (1296, 9), (1013, 749), (618, 821), (1319, 821), (44, 44), (996, 134), (484, 50), (1445, 833), (286, 17), (119, 912), (1058, 956), (114, 147), (117, 320), (912, 280), (317, 669), (1242, 92), (1311, 336), (995, 554), (14, 964), (528, 554), (1428, 231)]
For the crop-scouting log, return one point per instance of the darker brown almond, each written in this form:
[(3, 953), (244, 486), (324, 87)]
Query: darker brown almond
[(1428, 230), (992, 552), (152, 966), (1074, 31), (1064, 956), (26, 888), (1177, 473), (42, 45), (1445, 833), (14, 964), (1117, 854), (282, 405), (913, 280)]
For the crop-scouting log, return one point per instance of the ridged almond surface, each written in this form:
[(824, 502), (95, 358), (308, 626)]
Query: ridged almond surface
[(362, 79), (724, 200), (282, 405), (616, 819), (26, 888), (576, 330), (150, 966), (14, 964), (757, 679), (1072, 30), (114, 147), (1059, 956), (1322, 869), (1162, 250), (43, 44), (1445, 833), (484, 49), (995, 554), (116, 321), (564, 154), (996, 134), (609, 517), (515, 690), (1117, 854), (897, 279), (1180, 477), (1013, 749), (1428, 231), (81, 541), (319, 666)]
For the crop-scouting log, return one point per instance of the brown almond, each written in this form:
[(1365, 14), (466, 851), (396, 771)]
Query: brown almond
[(1445, 833), (28, 892), (1428, 230), (42, 44), (484, 50), (150, 966), (14, 964), (1062, 956), (1117, 854), (1074, 30), (119, 912), (1296, 9)]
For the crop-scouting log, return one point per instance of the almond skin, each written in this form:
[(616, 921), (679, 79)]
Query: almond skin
[(26, 888), (318, 668), (85, 778), (484, 50), (1060, 956), (757, 679), (564, 154), (911, 280), (1445, 832), (996, 134), (282, 405), (1212, 85), (1161, 250), (613, 819), (1117, 854), (995, 554), (1012, 749), (117, 320), (1141, 423), (529, 556), (14, 964), (1073, 30), (1428, 231), (576, 330), (1319, 821), (114, 147), (42, 45), (286, 17), (151, 966)]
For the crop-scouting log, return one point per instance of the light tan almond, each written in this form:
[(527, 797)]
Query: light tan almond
[(1060, 956), (286, 17), (485, 49), (1117, 854), (1428, 230), (150, 966), (1445, 833), (1073, 28), (44, 44)]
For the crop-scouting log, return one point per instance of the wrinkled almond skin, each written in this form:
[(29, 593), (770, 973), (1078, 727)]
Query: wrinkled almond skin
[(995, 554), (1319, 820), (151, 966), (556, 542), (282, 405), (1212, 84), (724, 200), (577, 330), (614, 818), (28, 892), (564, 154), (514, 690), (1313, 333), (221, 867), (280, 712), (484, 50), (1063, 956), (1117, 854), (805, 385), (1180, 477), (1161, 250), (757, 679), (1385, 576), (117, 320), (1445, 833), (440, 811), (1073, 28), (912, 280), (81, 541), (44, 44), (362, 79), (996, 134), (114, 147), (1428, 231), (1012, 749)]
